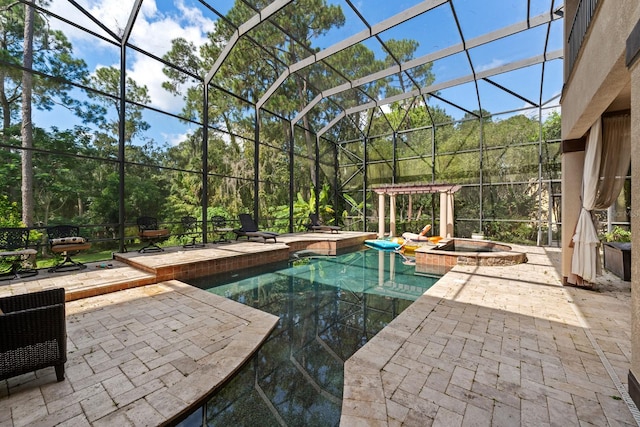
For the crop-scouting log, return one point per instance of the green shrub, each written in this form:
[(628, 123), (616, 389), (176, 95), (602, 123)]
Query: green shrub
[(617, 234)]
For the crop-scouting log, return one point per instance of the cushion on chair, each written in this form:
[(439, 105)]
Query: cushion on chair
[(68, 240), (154, 233), (71, 247), (20, 252)]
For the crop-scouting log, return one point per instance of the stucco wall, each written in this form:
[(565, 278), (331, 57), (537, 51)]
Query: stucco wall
[(571, 190), (600, 72), (635, 225)]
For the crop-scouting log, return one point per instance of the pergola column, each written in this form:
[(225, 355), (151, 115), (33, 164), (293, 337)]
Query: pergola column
[(446, 214), (392, 215), (380, 215), (393, 190)]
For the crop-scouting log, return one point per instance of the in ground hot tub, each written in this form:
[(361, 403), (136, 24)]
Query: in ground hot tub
[(443, 257)]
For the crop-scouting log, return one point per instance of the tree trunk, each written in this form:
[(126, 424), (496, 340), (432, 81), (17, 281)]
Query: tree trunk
[(27, 126), (6, 107)]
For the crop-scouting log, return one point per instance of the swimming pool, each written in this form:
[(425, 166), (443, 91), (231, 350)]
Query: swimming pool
[(329, 307)]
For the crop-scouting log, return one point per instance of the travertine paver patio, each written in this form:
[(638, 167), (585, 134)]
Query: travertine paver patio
[(499, 346), (138, 357), (98, 278), (484, 346), (133, 269), (139, 352)]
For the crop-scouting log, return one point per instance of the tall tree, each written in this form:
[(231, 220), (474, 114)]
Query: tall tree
[(27, 127), (27, 43)]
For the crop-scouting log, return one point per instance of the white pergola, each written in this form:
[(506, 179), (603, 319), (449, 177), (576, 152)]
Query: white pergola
[(392, 190)]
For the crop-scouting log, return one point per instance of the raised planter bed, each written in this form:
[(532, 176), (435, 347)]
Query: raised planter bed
[(617, 259)]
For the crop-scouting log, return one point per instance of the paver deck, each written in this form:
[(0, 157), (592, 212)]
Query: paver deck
[(140, 356), (484, 346), (141, 352), (499, 346), (133, 269)]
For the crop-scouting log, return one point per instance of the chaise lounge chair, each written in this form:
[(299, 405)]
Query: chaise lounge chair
[(249, 228), (422, 237), (316, 225)]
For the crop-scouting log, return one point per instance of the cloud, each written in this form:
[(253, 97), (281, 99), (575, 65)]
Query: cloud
[(174, 139), (153, 32), (495, 63)]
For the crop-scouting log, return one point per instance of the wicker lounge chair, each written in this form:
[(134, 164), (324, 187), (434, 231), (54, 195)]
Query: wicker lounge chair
[(66, 240), (249, 228), (316, 225), (14, 249), (148, 231), (34, 333)]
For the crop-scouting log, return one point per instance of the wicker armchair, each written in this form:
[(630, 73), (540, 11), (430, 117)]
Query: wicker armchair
[(33, 333)]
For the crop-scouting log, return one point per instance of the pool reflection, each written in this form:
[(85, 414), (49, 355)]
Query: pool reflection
[(328, 307)]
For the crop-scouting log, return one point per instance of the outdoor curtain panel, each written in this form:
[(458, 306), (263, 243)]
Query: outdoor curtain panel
[(606, 163)]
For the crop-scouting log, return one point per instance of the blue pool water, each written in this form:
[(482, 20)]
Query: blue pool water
[(328, 307)]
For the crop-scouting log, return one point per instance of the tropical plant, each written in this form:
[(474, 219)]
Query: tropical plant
[(617, 234), (9, 213)]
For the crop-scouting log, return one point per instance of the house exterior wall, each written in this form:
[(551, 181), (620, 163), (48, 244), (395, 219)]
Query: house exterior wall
[(634, 373), (602, 72)]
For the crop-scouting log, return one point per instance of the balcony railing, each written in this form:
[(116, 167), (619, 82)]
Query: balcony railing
[(579, 27)]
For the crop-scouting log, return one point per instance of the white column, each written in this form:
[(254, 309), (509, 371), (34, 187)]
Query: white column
[(443, 214), (392, 215), (449, 215), (380, 215), (446, 215)]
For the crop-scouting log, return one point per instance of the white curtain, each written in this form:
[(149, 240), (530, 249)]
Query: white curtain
[(615, 160), (584, 264), (606, 163)]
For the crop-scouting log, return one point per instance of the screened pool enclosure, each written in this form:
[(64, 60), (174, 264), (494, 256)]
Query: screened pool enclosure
[(118, 109)]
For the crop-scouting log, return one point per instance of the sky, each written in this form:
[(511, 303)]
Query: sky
[(161, 21)]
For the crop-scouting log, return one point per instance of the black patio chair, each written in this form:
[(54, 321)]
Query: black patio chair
[(66, 240), (190, 229), (220, 228), (149, 232), (14, 249)]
